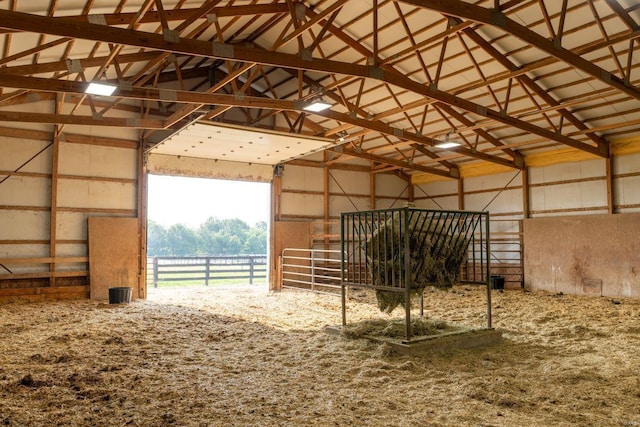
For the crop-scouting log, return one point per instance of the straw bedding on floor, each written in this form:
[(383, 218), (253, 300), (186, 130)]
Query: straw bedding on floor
[(241, 356)]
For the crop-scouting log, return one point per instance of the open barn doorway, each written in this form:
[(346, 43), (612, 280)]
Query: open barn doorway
[(206, 232)]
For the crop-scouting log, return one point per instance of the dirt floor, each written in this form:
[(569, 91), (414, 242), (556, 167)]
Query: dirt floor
[(240, 356)]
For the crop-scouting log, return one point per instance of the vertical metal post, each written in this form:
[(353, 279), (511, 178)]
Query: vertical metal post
[(407, 271), (342, 278), (155, 272), (521, 244), (385, 248), (488, 270), (313, 269)]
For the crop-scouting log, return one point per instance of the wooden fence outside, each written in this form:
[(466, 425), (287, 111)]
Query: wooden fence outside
[(206, 270)]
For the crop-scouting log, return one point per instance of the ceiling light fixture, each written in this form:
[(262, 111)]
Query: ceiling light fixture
[(446, 143), (100, 89), (316, 106)]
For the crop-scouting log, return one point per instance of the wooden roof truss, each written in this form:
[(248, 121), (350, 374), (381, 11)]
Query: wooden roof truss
[(504, 78)]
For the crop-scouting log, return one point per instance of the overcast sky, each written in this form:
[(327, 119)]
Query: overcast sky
[(191, 201)]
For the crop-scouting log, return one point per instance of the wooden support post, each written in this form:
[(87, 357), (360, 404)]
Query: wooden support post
[(53, 215), (251, 270), (460, 194), (142, 192), (611, 202), (276, 193), (525, 192)]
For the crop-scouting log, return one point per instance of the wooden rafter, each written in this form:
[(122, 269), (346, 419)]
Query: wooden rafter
[(64, 119), (424, 141), (623, 14), (29, 22), (344, 37), (472, 12), (394, 162), (384, 88), (510, 66)]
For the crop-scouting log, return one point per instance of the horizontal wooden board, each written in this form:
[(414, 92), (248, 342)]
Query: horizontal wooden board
[(45, 293), (45, 260), (44, 275)]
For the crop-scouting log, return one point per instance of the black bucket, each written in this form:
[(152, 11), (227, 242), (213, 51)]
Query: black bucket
[(497, 282), (120, 295)]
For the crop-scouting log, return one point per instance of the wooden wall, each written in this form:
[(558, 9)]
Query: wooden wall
[(551, 186), (319, 195), (52, 179), (314, 193), (587, 254)]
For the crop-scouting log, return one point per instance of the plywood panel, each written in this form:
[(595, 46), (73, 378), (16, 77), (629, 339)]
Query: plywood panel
[(24, 225), (349, 182), (495, 201), (301, 204), (389, 185), (89, 160), (591, 255), (566, 171), (25, 191), (627, 190), (338, 204), (387, 204), (129, 133), (96, 194), (113, 255), (446, 203), (491, 181), (24, 251), (302, 178), (437, 188), (627, 164), (16, 151), (288, 235)]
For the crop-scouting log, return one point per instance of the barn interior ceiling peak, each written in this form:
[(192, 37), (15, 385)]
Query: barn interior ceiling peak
[(499, 80)]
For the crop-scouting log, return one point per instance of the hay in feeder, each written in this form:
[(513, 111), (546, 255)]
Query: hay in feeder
[(435, 258), (395, 328)]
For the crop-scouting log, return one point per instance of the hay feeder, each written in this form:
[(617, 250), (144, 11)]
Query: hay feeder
[(399, 252)]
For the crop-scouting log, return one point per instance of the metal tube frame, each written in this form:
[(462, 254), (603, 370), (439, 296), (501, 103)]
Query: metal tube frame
[(356, 228)]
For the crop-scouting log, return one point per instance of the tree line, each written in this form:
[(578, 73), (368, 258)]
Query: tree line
[(213, 237)]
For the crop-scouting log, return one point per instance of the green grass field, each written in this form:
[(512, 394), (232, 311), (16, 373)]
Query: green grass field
[(194, 276)]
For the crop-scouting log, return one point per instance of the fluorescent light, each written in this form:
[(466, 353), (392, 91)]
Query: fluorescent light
[(447, 144), (100, 89), (316, 106)]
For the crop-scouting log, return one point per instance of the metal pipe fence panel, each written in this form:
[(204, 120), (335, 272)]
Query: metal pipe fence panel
[(315, 270)]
